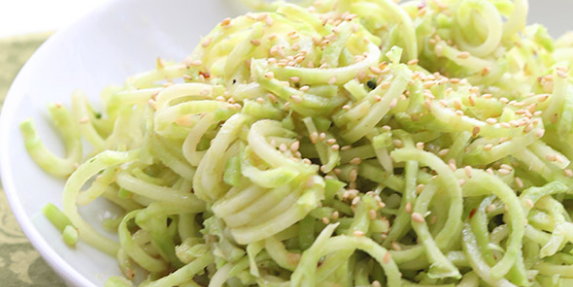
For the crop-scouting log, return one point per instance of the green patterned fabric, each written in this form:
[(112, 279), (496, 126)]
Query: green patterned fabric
[(20, 264)]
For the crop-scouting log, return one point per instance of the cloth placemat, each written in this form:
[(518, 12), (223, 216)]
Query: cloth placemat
[(20, 263)]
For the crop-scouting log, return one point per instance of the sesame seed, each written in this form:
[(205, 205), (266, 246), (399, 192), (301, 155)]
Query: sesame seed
[(372, 214), (332, 81), (377, 98), (304, 88), (386, 260), (385, 85), (420, 145), (529, 203), (491, 208), (468, 171), (551, 157), (413, 62), (295, 79), (206, 41), (476, 131), (335, 147), (375, 283), (353, 175), (322, 136), (462, 181), (503, 171), (562, 74), (307, 161), (398, 143), (519, 182), (459, 113), (346, 107), (396, 246), (463, 55), (313, 137), (505, 125), (568, 172), (84, 120), (335, 215), (408, 207), (356, 200), (416, 217), (375, 70), (269, 75), (452, 165), (393, 103), (330, 141), (491, 121), (540, 133), (355, 161), (419, 188), (443, 152), (283, 147), (296, 99), (487, 147)]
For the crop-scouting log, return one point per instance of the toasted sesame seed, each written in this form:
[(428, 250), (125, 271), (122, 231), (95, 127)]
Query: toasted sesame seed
[(353, 175), (386, 260), (355, 161), (468, 171), (487, 147), (476, 131), (356, 200), (398, 143), (491, 121), (335, 147), (416, 217), (375, 70), (503, 171), (551, 157), (408, 207), (463, 55), (419, 188), (452, 165), (206, 41), (413, 62), (346, 107), (372, 214), (330, 141), (443, 152), (420, 145), (283, 147), (296, 99), (519, 182), (313, 137), (393, 103)]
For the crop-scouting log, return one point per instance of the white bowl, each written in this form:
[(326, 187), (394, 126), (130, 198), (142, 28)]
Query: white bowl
[(107, 46), (115, 41)]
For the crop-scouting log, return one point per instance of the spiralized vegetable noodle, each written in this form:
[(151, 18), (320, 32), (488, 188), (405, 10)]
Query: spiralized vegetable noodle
[(334, 143)]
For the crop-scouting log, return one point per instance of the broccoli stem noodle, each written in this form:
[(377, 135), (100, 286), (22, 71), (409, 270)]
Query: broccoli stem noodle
[(332, 143)]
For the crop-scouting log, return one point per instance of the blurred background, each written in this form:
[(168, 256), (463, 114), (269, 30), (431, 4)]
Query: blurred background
[(27, 16)]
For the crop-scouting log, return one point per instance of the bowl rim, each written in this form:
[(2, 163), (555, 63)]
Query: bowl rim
[(65, 270)]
